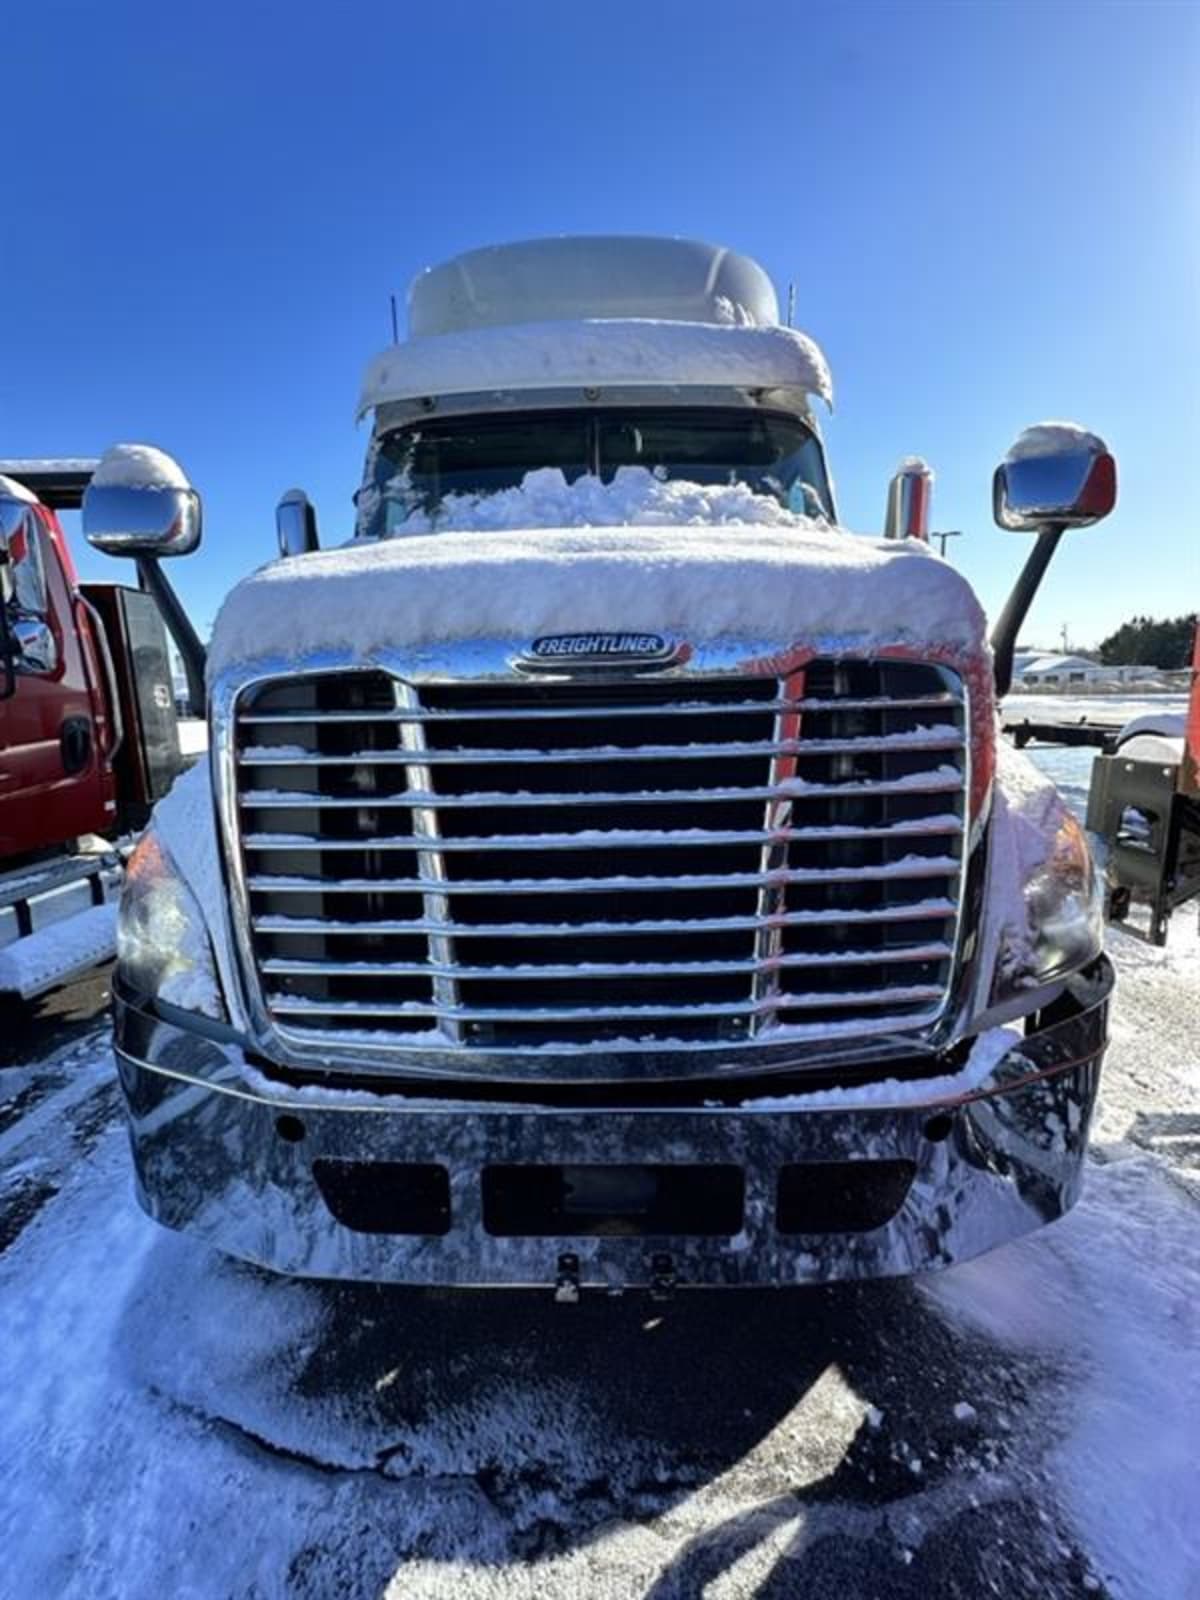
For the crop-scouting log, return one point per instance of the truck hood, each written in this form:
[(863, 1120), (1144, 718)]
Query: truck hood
[(794, 581)]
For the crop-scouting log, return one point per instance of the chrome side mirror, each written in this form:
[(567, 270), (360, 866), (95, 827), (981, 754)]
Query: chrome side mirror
[(296, 524), (1055, 476), (140, 503)]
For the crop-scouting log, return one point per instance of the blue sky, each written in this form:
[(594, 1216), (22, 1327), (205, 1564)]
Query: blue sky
[(990, 213)]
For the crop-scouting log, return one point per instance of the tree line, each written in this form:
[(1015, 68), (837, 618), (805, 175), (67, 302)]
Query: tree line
[(1164, 642)]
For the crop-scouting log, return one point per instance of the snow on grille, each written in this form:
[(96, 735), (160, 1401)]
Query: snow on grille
[(531, 864)]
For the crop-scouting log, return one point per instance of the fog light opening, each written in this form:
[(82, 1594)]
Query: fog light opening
[(289, 1129)]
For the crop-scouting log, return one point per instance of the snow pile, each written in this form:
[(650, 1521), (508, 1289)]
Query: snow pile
[(733, 314), (544, 499), (138, 466), (1028, 896), (1049, 438), (185, 823), (1159, 749), (1155, 737), (627, 562), (987, 1052), (609, 352), (1028, 807), (54, 955)]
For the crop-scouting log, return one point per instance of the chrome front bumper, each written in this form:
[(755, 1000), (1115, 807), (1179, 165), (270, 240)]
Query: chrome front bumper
[(295, 1179)]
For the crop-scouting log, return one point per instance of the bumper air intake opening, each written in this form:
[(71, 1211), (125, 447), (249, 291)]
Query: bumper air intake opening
[(629, 1201), (386, 1196), (841, 1196)]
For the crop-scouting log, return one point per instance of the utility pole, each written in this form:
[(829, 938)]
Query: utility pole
[(950, 533)]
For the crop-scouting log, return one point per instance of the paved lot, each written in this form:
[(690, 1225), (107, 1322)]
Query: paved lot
[(179, 1424)]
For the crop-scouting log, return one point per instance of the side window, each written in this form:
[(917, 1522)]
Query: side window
[(29, 569), (30, 624)]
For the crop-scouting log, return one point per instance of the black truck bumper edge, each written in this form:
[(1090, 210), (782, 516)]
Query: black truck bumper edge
[(427, 1192)]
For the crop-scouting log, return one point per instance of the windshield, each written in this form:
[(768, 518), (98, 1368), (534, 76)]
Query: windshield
[(416, 467)]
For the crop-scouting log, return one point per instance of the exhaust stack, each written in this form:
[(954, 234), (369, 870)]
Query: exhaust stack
[(910, 496)]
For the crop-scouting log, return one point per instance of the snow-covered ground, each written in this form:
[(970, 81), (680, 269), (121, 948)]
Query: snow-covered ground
[(1115, 708), (193, 736), (1025, 1425)]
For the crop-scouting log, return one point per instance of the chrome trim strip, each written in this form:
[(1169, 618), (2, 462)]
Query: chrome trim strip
[(432, 870), (773, 861)]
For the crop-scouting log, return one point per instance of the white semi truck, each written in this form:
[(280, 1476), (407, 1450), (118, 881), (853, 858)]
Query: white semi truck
[(606, 871)]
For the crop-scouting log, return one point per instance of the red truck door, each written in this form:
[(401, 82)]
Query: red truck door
[(55, 783)]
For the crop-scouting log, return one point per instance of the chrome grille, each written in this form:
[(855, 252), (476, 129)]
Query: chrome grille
[(524, 864)]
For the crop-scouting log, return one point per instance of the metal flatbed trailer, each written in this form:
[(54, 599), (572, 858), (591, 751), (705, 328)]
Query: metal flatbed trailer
[(1029, 730)]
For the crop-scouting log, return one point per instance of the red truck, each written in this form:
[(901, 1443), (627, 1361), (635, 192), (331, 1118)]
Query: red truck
[(88, 733)]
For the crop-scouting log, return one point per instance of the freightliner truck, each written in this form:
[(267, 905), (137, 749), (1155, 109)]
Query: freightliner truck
[(607, 871)]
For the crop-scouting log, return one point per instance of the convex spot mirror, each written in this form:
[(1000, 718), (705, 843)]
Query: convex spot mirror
[(140, 503), (1055, 476), (296, 524)]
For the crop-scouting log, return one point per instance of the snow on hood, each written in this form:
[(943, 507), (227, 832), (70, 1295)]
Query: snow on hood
[(705, 562)]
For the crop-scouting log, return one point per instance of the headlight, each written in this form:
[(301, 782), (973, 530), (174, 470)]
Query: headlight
[(1063, 925), (163, 949)]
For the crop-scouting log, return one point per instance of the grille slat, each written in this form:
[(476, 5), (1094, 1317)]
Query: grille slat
[(937, 910), (795, 868), (684, 708), (279, 966), (924, 739), (918, 867), (641, 839), (293, 1005), (945, 780)]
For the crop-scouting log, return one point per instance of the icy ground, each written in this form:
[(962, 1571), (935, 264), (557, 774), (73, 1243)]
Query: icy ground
[(1027, 1425)]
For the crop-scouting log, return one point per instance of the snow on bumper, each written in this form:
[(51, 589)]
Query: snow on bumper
[(489, 1193)]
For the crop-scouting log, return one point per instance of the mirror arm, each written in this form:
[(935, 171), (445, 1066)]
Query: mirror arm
[(1016, 607), (187, 640)]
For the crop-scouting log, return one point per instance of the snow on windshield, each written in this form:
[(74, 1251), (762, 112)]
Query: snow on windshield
[(545, 498)]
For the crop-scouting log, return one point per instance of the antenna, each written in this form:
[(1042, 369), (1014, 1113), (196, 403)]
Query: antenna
[(949, 533), (791, 303), (395, 325)]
